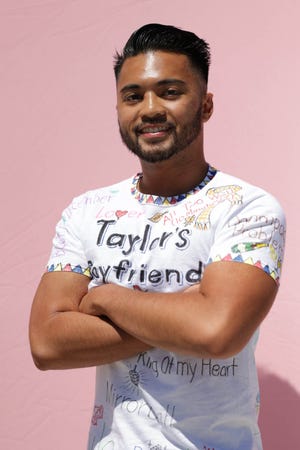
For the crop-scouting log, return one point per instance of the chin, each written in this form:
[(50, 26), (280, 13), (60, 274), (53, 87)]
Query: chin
[(154, 156)]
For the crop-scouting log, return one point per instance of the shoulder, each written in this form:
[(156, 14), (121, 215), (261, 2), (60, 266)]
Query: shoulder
[(102, 193), (248, 223), (243, 195), (94, 198)]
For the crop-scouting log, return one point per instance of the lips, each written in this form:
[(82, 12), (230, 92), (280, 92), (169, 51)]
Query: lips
[(153, 129), (150, 131)]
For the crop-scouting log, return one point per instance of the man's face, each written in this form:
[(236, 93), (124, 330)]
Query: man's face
[(159, 103)]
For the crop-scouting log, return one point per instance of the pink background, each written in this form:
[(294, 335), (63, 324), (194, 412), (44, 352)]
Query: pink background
[(59, 138)]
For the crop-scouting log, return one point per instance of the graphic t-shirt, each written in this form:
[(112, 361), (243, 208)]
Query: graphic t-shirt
[(157, 399)]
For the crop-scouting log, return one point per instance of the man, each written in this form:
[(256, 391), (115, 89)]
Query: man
[(162, 281)]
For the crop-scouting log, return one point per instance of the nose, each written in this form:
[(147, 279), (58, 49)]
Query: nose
[(152, 108)]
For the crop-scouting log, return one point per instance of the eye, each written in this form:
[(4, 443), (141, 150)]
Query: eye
[(132, 97), (172, 92)]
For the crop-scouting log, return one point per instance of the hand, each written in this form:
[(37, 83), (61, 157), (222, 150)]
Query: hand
[(193, 288), (93, 303)]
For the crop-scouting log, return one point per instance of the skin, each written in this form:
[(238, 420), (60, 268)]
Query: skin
[(145, 94), (63, 337), (73, 327)]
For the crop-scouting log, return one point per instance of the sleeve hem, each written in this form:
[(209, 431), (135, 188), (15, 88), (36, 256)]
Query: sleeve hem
[(265, 267), (59, 267)]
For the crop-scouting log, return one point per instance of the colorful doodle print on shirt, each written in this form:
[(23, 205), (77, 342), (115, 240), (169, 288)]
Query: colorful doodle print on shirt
[(259, 231), (200, 216)]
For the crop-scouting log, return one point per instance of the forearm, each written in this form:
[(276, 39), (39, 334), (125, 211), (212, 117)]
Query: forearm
[(215, 319), (72, 339), (163, 320)]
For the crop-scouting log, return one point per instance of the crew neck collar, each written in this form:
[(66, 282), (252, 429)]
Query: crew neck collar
[(167, 201)]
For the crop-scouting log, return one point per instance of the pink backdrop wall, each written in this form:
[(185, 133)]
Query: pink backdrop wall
[(59, 137)]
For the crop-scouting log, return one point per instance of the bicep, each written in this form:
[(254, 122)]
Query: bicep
[(62, 337), (58, 292), (239, 296)]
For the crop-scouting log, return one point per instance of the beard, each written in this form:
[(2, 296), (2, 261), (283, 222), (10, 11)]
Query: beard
[(161, 151)]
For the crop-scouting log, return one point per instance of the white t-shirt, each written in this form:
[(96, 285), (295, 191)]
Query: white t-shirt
[(161, 400)]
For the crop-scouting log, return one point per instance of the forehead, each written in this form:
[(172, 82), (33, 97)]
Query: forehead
[(155, 66)]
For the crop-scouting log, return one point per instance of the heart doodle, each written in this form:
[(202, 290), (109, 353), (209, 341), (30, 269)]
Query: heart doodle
[(120, 213)]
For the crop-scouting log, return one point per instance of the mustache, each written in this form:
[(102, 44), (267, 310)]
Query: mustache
[(153, 121)]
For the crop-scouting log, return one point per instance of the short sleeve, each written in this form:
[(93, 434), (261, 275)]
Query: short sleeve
[(67, 252), (252, 233)]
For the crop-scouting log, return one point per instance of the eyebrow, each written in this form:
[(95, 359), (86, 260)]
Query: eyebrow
[(159, 83), (127, 87), (170, 81)]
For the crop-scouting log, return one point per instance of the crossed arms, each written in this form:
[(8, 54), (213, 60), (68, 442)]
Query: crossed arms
[(72, 327)]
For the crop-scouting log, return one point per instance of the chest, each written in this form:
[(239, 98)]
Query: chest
[(148, 247)]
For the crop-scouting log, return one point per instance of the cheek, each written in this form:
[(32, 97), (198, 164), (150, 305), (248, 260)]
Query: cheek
[(123, 121), (185, 111), (125, 117)]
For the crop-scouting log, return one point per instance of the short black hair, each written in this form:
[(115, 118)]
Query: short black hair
[(155, 37)]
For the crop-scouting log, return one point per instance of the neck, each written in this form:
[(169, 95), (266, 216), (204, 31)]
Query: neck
[(172, 177)]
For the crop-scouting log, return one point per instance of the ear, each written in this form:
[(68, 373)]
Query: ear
[(207, 106)]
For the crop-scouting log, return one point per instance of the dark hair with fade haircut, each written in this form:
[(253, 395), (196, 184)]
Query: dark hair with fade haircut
[(155, 37)]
